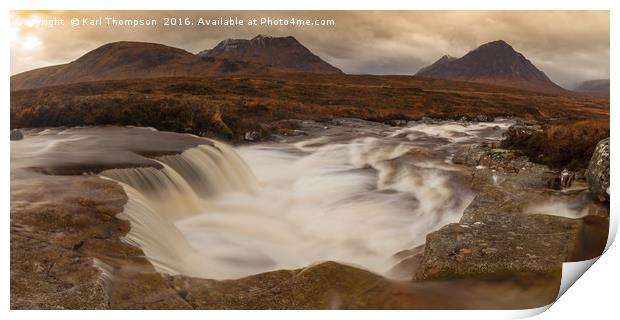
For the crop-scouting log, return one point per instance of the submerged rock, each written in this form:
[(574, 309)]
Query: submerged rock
[(252, 136), (597, 173), (397, 123), (409, 262), (566, 179), (16, 134), (427, 120), (483, 118), (561, 181)]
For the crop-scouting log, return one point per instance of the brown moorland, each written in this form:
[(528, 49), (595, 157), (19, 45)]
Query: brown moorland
[(229, 106), (561, 143)]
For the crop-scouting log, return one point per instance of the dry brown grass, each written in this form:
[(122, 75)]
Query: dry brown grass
[(229, 106), (562, 143)]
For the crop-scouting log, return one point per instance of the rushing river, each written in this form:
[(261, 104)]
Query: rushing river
[(355, 192), (225, 213)]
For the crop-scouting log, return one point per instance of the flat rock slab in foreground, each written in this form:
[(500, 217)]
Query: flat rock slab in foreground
[(502, 233), (74, 151), (511, 244)]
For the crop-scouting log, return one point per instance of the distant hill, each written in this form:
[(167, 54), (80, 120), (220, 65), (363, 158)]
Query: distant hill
[(117, 60), (597, 88), (494, 63), (135, 60)]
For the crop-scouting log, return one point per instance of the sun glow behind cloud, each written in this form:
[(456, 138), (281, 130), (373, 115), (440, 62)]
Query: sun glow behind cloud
[(30, 42), (21, 40)]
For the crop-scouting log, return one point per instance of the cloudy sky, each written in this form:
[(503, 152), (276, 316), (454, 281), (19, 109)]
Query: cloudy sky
[(569, 46)]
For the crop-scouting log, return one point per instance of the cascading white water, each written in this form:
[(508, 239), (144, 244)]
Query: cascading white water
[(154, 232), (180, 189), (357, 192), (217, 213)]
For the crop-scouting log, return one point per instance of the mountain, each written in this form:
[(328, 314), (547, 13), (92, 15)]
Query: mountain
[(112, 61), (597, 88), (494, 63), (137, 60), (282, 53)]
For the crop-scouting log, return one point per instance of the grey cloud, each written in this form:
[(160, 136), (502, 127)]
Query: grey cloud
[(570, 46)]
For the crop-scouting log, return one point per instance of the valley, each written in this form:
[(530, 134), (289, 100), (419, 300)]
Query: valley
[(253, 174)]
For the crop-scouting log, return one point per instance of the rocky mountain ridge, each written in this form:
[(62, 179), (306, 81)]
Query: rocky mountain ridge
[(494, 63), (141, 60)]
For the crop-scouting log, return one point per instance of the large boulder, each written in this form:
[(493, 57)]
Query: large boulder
[(506, 244), (597, 173)]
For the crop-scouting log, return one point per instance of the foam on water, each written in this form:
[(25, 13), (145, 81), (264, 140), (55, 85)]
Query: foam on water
[(355, 196), (224, 213)]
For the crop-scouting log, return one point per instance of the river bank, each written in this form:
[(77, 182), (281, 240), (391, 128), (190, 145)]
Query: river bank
[(500, 227)]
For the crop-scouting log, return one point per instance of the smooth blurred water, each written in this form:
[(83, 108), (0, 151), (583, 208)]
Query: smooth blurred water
[(355, 193), (264, 207)]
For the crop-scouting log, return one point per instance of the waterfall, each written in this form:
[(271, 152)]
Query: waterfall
[(212, 170), (356, 193), (158, 198), (204, 213)]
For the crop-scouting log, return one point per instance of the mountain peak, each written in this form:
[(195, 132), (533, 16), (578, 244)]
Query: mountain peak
[(261, 36), (497, 47), (495, 62), (281, 53), (497, 44)]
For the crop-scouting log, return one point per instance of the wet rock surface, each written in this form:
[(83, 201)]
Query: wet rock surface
[(500, 233), (94, 149), (70, 255), (252, 136), (504, 245), (598, 171), (68, 251), (331, 285)]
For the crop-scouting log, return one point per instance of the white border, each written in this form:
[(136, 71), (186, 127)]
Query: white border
[(590, 297), (314, 5)]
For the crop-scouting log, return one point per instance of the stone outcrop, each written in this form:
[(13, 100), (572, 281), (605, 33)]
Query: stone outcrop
[(597, 173), (498, 235), (506, 244), (67, 252)]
